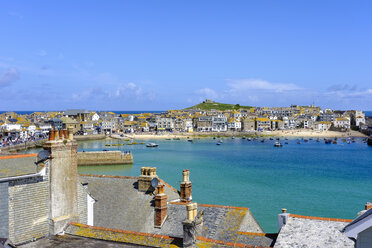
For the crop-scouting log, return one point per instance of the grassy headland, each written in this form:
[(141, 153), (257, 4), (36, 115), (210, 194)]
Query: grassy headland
[(218, 106)]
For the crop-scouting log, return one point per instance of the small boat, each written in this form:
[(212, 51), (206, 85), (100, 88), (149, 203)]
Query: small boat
[(317, 140), (214, 137), (306, 140), (232, 137), (142, 143), (263, 140), (117, 144), (107, 145), (271, 138), (243, 137), (328, 141), (278, 144), (218, 143), (190, 140), (349, 142), (286, 143), (167, 139), (298, 142), (334, 142), (277, 138), (152, 145), (286, 138), (249, 139), (176, 138)]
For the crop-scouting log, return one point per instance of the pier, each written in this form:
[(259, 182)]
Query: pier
[(104, 158)]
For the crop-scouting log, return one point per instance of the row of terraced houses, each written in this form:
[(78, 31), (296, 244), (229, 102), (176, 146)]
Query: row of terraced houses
[(14, 126)]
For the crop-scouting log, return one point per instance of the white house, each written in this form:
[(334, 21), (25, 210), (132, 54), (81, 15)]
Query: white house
[(95, 117)]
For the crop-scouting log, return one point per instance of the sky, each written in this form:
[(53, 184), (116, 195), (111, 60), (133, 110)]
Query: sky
[(160, 55)]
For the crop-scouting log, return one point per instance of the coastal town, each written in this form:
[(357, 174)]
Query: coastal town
[(16, 128)]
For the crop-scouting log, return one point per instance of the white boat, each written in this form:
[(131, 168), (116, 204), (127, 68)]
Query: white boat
[(152, 145), (278, 144)]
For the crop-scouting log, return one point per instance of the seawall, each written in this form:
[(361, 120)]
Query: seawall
[(104, 158), (23, 146), (89, 137)]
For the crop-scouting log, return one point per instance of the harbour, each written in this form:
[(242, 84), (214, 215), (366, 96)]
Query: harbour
[(312, 178)]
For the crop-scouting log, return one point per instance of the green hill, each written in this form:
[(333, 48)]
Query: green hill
[(218, 106)]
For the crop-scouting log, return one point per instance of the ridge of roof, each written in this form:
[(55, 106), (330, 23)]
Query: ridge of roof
[(319, 218), (210, 205), (19, 156), (108, 176), (359, 218)]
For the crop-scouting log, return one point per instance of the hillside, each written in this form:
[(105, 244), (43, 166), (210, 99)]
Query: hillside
[(218, 106)]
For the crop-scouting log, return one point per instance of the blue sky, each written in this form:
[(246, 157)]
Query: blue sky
[(158, 55)]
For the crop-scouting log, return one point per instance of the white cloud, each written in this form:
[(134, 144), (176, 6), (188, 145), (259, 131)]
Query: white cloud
[(258, 84), (8, 77), (207, 93)]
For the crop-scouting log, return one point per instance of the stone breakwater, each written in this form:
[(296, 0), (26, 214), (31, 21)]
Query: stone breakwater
[(104, 158), (23, 146), (89, 137)]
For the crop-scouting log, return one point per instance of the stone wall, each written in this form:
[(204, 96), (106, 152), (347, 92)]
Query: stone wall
[(4, 214), (89, 137), (104, 158), (28, 209), (24, 146)]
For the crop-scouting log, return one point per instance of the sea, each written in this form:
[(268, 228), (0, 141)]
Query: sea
[(311, 178)]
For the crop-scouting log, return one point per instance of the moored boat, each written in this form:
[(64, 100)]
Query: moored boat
[(278, 144), (152, 145)]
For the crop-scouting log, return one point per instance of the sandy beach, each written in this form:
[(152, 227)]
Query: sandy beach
[(279, 133)]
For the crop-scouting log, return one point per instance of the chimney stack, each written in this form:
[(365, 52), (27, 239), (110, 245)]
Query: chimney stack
[(56, 134), (51, 134), (144, 180), (186, 189), (368, 206), (282, 219), (192, 226), (65, 134), (160, 206), (60, 134), (63, 180), (70, 133)]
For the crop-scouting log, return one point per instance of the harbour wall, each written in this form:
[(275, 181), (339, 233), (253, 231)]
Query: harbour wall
[(89, 137), (23, 146), (104, 158)]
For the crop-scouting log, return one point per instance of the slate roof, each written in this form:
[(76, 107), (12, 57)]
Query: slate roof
[(359, 218), (301, 232), (122, 208), (17, 165), (76, 111), (228, 224), (119, 203), (67, 241)]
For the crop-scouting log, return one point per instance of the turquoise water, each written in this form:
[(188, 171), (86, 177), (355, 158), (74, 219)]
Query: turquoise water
[(308, 178)]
